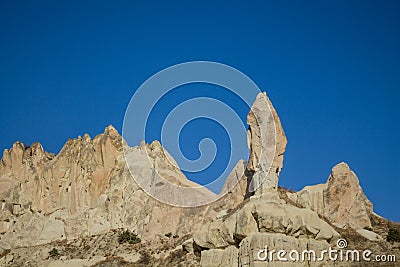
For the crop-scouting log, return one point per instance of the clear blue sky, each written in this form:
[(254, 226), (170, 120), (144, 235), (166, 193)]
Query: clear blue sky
[(331, 68)]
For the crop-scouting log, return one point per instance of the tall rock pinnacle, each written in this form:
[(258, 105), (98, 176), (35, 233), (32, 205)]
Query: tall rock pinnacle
[(267, 144)]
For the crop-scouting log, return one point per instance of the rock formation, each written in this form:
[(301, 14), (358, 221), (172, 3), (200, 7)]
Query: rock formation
[(80, 200), (267, 144), (87, 190), (155, 171), (341, 199)]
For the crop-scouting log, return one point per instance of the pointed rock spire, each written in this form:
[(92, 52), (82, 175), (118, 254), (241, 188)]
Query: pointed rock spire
[(267, 144)]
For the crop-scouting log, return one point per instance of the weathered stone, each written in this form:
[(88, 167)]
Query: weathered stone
[(219, 257), (341, 199), (245, 223), (252, 251), (87, 189), (75, 262), (155, 171), (188, 245), (86, 192), (290, 220), (53, 230), (213, 235), (267, 144), (236, 182), (370, 235)]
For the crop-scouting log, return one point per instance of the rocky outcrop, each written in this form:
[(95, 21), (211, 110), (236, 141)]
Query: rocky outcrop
[(235, 179), (260, 216), (157, 173), (292, 221), (370, 235), (220, 257), (267, 143), (87, 189), (261, 249), (341, 199), (86, 194), (264, 216), (73, 179)]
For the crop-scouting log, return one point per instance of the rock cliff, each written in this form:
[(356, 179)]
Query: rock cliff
[(87, 190), (341, 199), (70, 209), (267, 144)]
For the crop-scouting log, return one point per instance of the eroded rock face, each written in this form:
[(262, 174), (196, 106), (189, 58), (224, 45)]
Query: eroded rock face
[(73, 179), (293, 221), (45, 193), (288, 223), (87, 190), (267, 144), (261, 216), (157, 173), (220, 257), (261, 249), (341, 199), (249, 251)]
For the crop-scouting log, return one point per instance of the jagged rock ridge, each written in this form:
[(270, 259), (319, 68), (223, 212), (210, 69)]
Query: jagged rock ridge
[(87, 190), (85, 194)]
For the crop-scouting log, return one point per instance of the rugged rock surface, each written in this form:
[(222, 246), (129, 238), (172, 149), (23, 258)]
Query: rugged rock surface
[(267, 144), (69, 209), (87, 190), (341, 199), (155, 171), (264, 215), (249, 255)]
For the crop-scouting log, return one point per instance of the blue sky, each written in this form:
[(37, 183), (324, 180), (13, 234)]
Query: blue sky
[(331, 68)]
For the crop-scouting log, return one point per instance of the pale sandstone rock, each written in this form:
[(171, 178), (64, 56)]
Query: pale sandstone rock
[(75, 262), (267, 143), (87, 190), (341, 199), (4, 227), (214, 235), (293, 221), (228, 230), (52, 230), (222, 214), (67, 180), (42, 184), (250, 247), (235, 187), (219, 257), (259, 215), (188, 245), (245, 224), (236, 179), (153, 169), (6, 260), (370, 235), (130, 257)]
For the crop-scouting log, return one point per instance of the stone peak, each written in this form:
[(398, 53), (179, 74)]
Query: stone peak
[(341, 167), (35, 148), (110, 130), (342, 171), (267, 143)]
